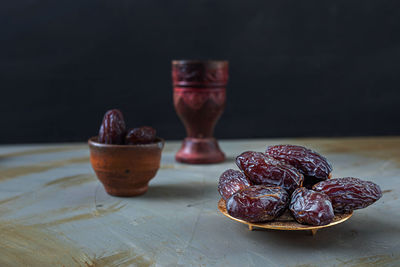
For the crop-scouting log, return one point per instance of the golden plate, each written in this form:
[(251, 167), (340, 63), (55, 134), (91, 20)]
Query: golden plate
[(284, 222)]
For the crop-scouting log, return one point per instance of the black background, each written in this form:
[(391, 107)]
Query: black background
[(297, 68)]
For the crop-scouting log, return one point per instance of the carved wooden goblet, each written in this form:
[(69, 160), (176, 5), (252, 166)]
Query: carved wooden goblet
[(199, 100)]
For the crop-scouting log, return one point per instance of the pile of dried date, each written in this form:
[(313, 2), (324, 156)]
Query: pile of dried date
[(294, 177), (113, 131)]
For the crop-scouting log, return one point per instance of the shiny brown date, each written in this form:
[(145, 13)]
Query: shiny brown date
[(112, 129), (264, 170), (258, 203), (230, 182), (308, 162), (141, 135), (311, 207), (349, 193)]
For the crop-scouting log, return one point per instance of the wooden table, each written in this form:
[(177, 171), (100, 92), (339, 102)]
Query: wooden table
[(54, 212)]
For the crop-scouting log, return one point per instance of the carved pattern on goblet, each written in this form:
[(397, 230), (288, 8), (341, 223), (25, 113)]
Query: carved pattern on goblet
[(199, 100)]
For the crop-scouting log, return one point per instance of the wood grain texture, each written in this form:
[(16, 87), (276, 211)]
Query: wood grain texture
[(63, 216)]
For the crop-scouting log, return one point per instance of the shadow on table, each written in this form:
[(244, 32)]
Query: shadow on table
[(189, 191), (355, 234), (230, 159)]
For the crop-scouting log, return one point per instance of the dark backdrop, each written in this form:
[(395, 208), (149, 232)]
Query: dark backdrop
[(297, 68)]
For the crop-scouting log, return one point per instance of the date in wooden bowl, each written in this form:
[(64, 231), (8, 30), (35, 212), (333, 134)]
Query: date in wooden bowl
[(285, 222)]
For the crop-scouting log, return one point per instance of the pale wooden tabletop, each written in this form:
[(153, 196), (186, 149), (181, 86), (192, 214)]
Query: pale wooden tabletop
[(54, 212)]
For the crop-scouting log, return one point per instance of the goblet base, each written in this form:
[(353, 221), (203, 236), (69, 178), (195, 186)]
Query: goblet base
[(200, 151)]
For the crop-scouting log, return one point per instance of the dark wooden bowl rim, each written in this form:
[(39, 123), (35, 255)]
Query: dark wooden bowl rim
[(93, 142)]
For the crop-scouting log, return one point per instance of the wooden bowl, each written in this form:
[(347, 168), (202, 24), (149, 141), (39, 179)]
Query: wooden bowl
[(285, 222), (125, 170)]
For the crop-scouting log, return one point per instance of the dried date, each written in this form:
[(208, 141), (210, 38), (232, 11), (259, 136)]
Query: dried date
[(230, 182), (349, 193), (112, 129), (311, 207), (264, 170), (308, 162), (141, 135), (258, 203)]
